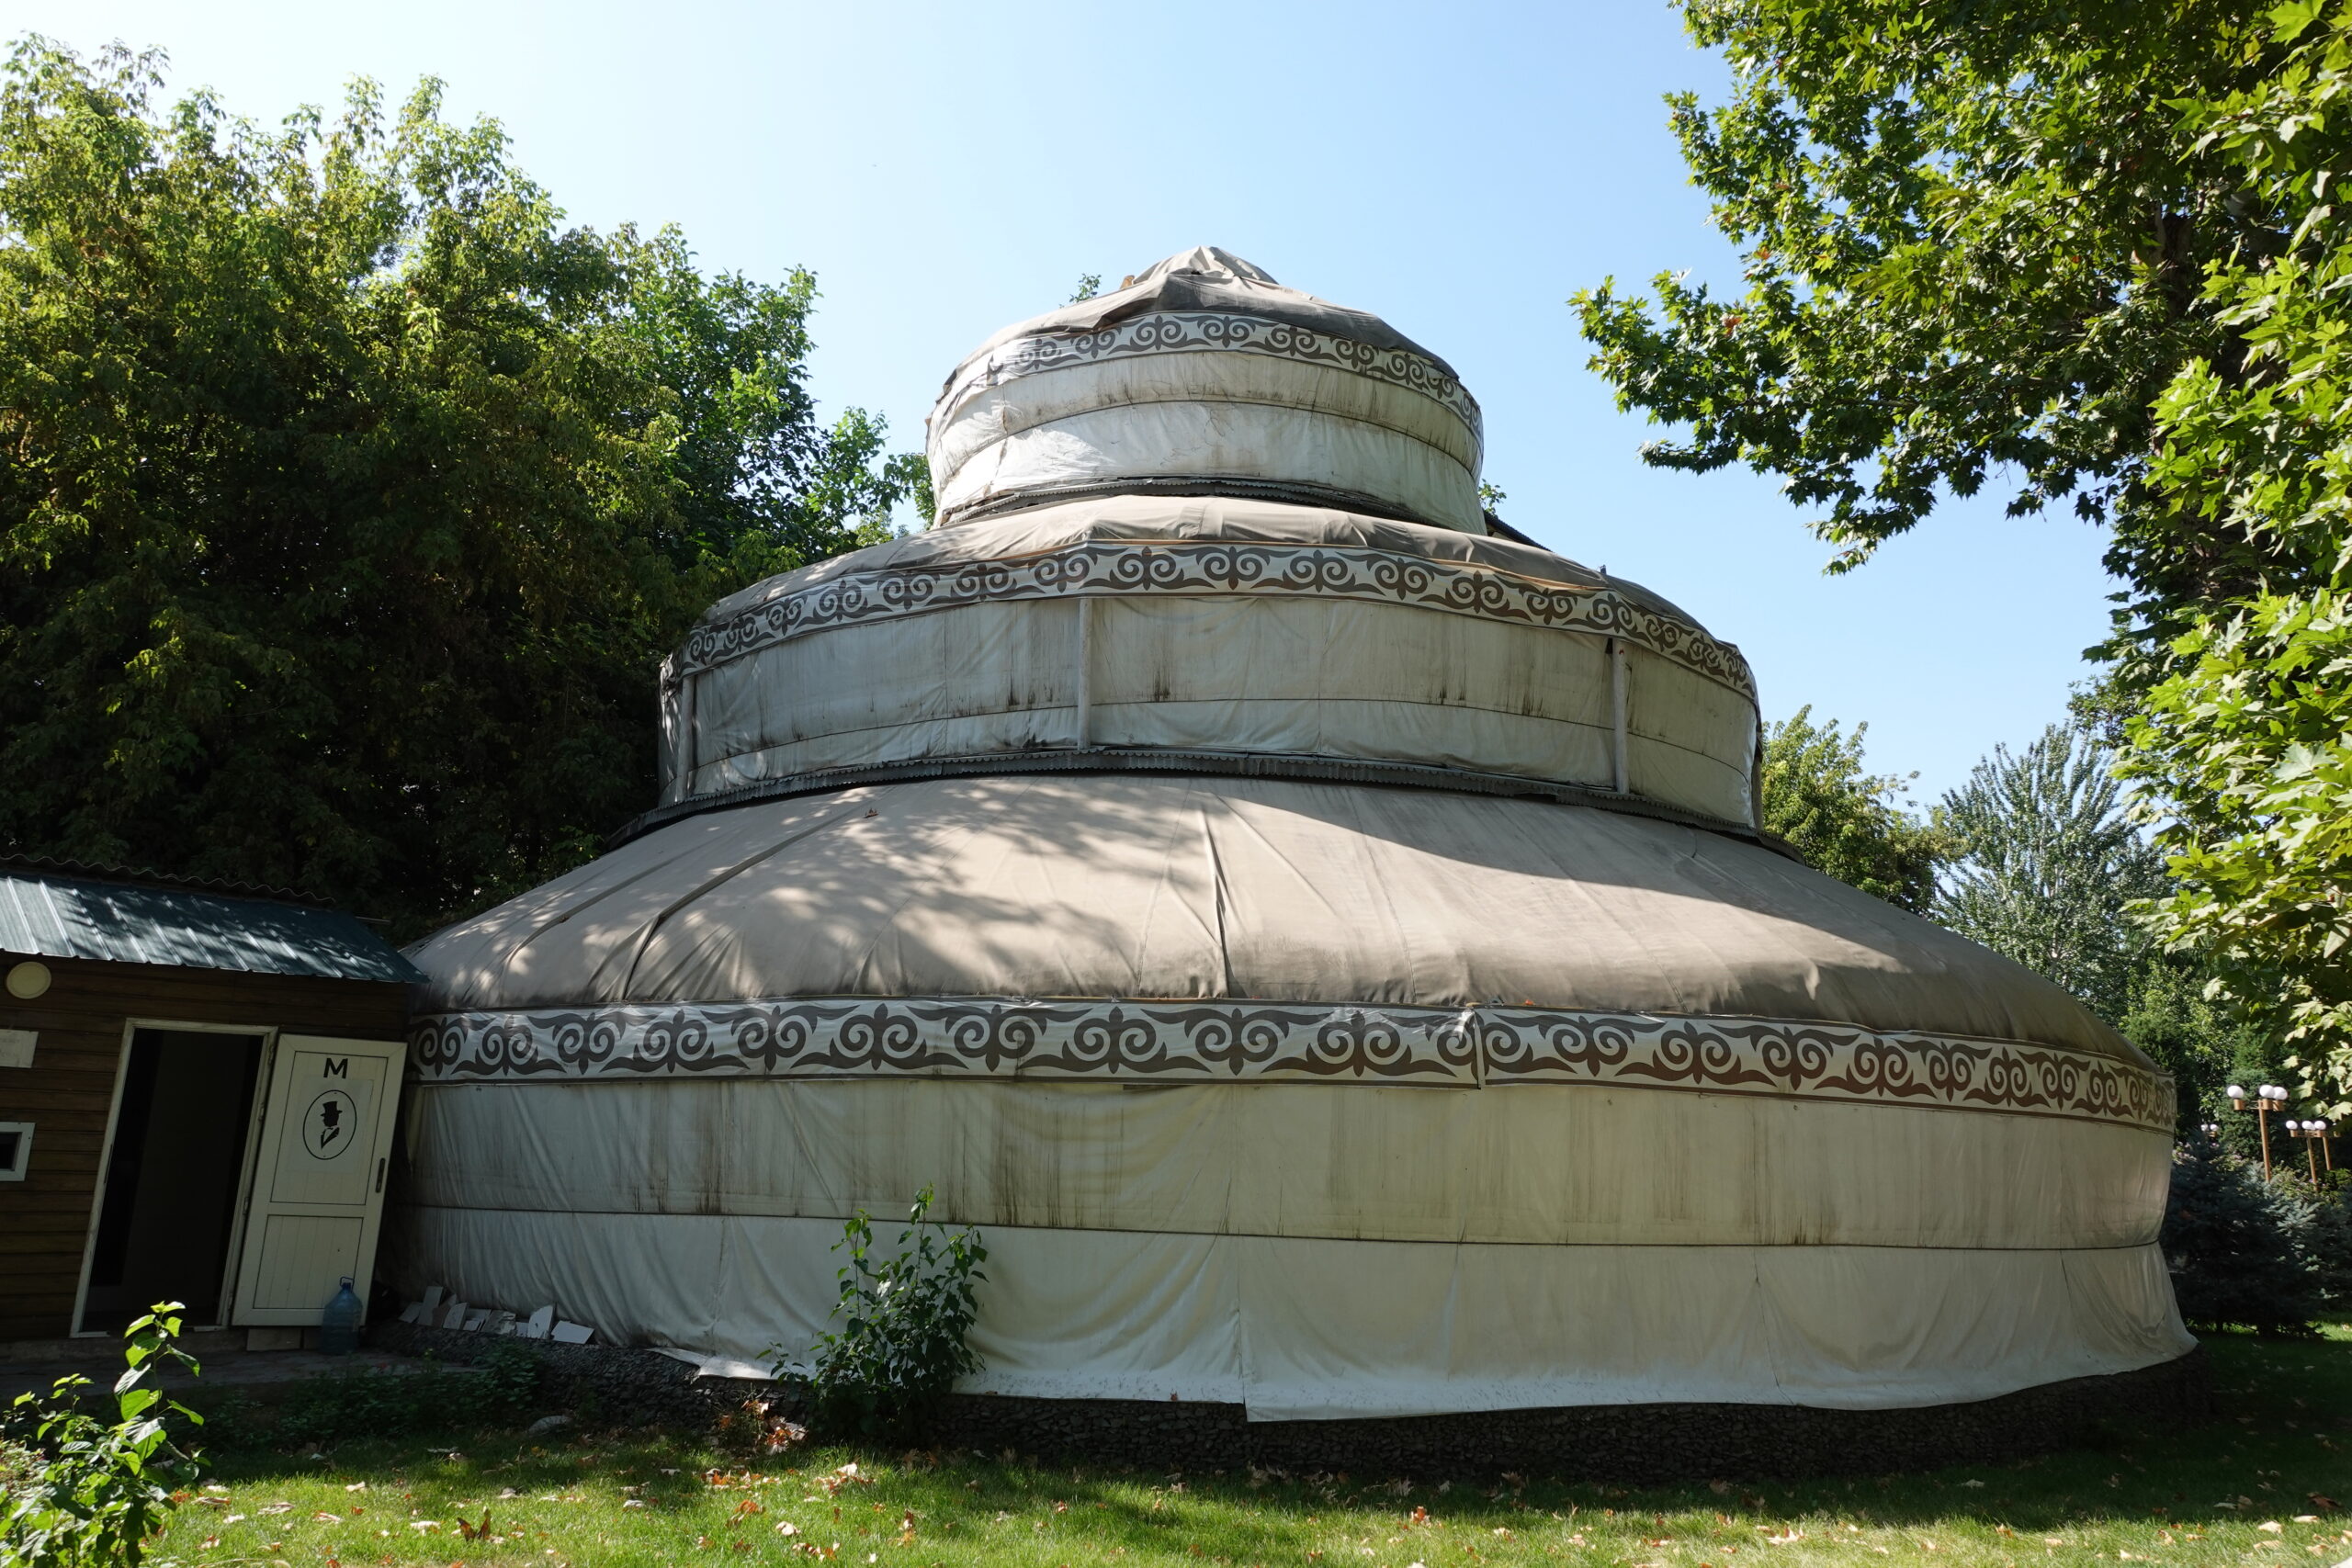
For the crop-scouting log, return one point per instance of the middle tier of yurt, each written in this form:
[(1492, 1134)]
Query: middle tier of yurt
[(1326, 947)]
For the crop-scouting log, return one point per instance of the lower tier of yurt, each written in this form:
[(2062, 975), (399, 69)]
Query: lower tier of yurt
[(1320, 1100)]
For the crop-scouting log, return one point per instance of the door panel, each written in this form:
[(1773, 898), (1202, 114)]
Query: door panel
[(297, 1251), (319, 1188)]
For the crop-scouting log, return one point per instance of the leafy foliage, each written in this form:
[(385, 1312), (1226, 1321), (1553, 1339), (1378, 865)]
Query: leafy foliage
[(1974, 238), (351, 498), (2326, 1242), (2251, 744), (2202, 1040), (2097, 246), (2229, 1239), (904, 1318), (2048, 860), (1842, 819), (96, 1493)]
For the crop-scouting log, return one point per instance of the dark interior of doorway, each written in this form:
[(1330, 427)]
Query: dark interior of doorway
[(170, 1190)]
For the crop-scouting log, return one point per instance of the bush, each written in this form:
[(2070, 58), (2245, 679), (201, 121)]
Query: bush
[(85, 1492), (901, 1345), (2232, 1243), (2324, 1237), (500, 1391)]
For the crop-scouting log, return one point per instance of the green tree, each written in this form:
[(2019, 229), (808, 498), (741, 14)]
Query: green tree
[(2089, 249), (2247, 729), (2230, 1241), (1842, 819), (350, 498), (2047, 862), (2204, 1042)]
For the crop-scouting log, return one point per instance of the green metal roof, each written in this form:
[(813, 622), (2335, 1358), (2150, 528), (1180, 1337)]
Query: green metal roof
[(49, 911)]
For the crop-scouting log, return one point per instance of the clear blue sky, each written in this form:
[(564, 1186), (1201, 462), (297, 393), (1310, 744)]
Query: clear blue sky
[(1458, 168)]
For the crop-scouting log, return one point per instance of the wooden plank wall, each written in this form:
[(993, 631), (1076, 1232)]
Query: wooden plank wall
[(68, 1090)]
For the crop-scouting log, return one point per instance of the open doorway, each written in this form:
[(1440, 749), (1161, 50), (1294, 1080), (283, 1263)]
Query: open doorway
[(170, 1206)]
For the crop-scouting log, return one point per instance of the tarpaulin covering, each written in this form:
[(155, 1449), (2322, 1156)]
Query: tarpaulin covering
[(1204, 373), (1159, 627), (653, 1088), (1380, 1001), (1283, 890)]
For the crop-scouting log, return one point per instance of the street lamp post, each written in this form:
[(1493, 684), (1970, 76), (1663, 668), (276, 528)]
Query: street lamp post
[(2267, 1098)]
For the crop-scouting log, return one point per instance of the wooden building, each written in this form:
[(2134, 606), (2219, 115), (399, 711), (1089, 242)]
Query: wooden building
[(198, 1087)]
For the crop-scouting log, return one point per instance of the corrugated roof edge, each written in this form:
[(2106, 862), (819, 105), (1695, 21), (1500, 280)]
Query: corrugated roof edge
[(79, 911), (143, 876)]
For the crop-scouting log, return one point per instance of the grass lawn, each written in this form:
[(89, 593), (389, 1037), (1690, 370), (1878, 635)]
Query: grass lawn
[(2260, 1486)]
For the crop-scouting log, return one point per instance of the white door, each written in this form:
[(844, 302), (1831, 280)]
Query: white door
[(318, 1191)]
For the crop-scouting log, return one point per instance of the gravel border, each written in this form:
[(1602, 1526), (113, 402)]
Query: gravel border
[(1620, 1442), (1623, 1442), (617, 1387)]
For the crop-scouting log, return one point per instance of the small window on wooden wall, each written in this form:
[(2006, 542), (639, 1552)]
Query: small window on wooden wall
[(16, 1149)]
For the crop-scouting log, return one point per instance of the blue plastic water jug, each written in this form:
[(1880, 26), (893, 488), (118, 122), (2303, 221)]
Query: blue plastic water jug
[(339, 1329)]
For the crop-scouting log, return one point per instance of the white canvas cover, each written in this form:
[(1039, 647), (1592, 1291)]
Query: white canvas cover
[(1328, 949), (1324, 1098), (1152, 626), (1204, 376)]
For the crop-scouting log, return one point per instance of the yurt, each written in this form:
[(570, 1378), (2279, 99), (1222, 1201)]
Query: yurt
[(1321, 939)]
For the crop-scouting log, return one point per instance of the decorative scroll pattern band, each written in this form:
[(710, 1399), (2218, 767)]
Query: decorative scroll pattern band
[(1182, 332), (1212, 567), (1227, 1042)]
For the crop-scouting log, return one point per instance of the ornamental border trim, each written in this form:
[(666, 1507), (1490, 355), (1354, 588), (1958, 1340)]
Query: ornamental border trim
[(1253, 1041), (1192, 331), (1212, 566)]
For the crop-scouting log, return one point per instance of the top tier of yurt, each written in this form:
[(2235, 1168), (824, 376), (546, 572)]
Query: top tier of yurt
[(1203, 375), (1326, 945)]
